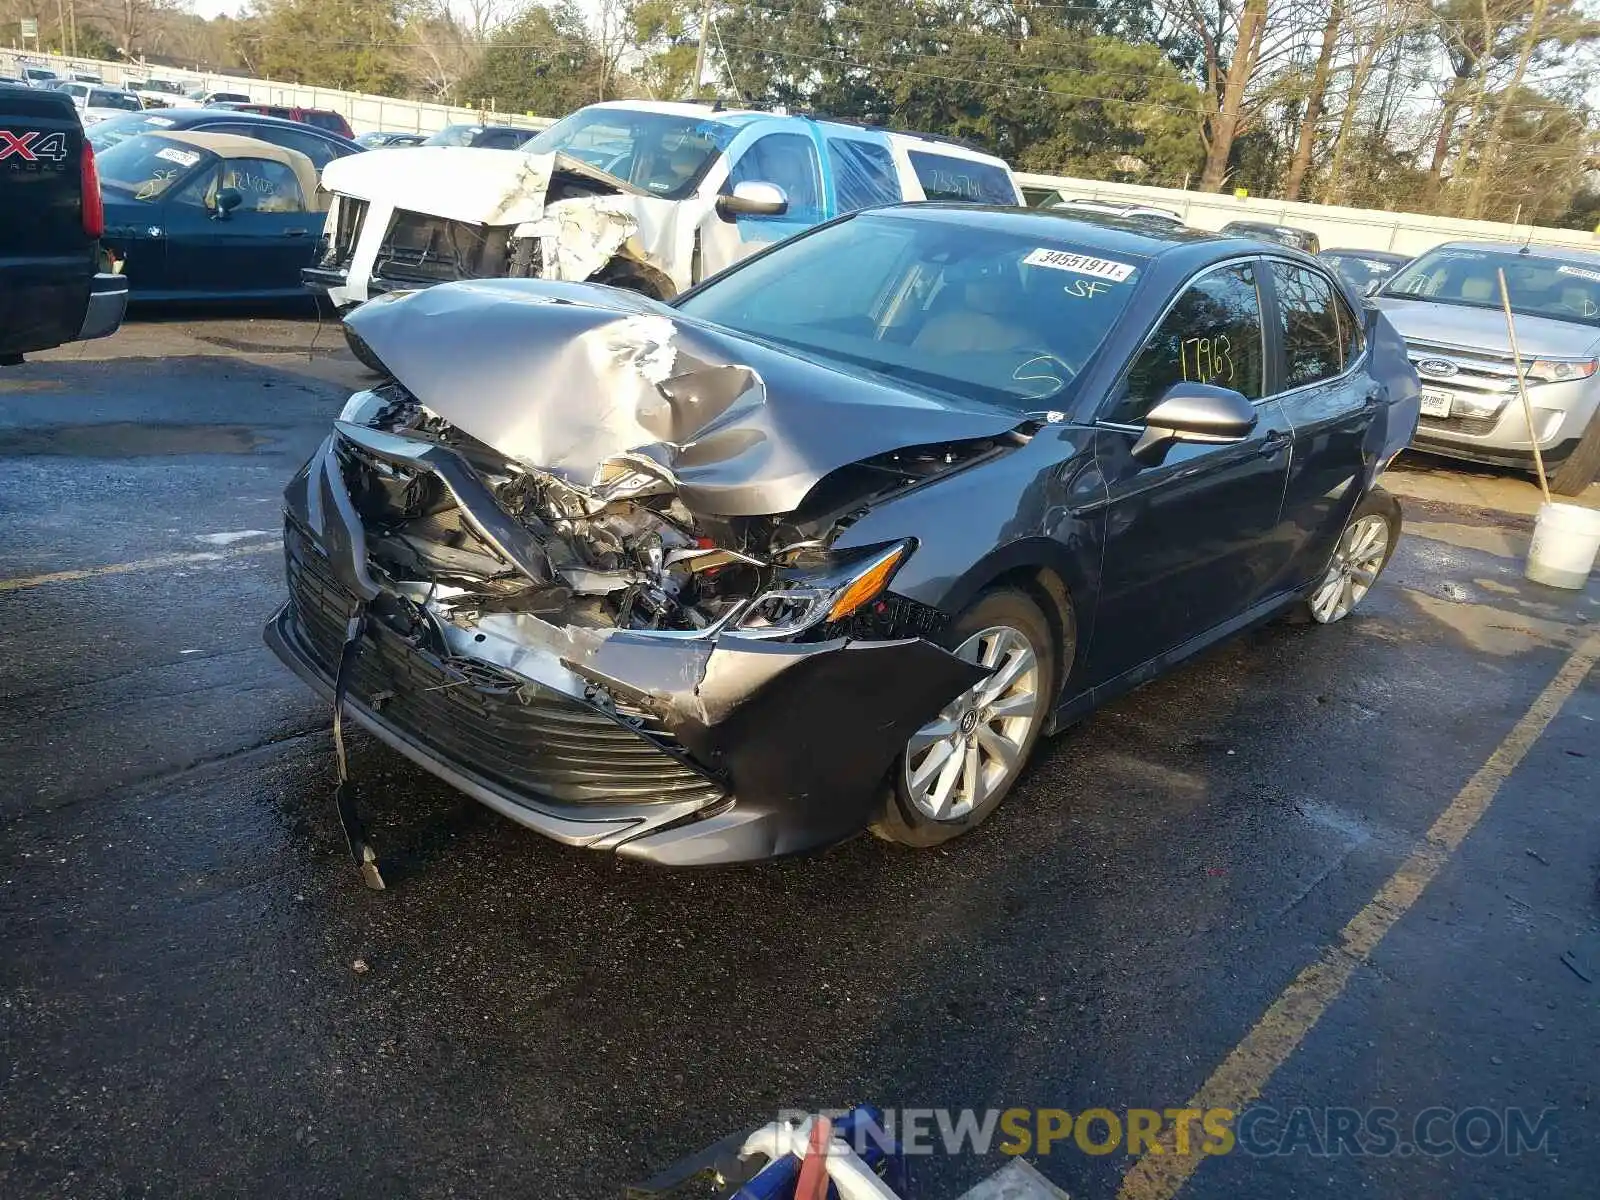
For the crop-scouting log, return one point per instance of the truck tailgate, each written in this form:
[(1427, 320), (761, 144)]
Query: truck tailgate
[(47, 261)]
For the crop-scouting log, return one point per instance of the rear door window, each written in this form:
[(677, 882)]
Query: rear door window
[(863, 174), (1212, 334), (945, 177), (1309, 322)]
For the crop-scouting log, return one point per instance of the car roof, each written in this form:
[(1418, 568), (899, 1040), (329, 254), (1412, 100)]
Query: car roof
[(1265, 225), (233, 145), (738, 118), (1555, 249), (1143, 238), (1355, 252), (188, 116)]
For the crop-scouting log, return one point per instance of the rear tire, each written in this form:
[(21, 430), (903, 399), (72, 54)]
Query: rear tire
[(1582, 466), (1364, 548), (986, 736)]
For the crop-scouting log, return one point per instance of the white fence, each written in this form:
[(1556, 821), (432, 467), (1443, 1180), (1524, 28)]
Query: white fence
[(1347, 228), (365, 113)]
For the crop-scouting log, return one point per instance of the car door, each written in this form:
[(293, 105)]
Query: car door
[(257, 248), (1330, 401), (787, 158), (1189, 531)]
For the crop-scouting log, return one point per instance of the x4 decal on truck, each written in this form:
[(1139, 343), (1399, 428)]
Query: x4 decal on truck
[(32, 146)]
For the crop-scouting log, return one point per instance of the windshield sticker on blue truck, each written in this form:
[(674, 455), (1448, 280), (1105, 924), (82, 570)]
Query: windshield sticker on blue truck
[(1080, 264)]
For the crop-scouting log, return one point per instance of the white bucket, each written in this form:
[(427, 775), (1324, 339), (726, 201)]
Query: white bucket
[(1566, 538)]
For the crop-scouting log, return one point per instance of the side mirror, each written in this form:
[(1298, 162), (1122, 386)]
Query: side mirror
[(754, 199), (228, 199), (1196, 412)]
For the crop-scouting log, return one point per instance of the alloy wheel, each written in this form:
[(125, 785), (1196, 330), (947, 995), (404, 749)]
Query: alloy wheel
[(1357, 560), (974, 746)]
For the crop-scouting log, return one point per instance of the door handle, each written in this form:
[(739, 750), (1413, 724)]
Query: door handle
[(1274, 442), (295, 232)]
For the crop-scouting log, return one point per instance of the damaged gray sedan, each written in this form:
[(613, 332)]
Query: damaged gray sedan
[(831, 541)]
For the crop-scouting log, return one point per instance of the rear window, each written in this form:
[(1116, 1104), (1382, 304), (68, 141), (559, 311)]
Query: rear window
[(330, 121), (944, 177), (122, 100), (119, 129)]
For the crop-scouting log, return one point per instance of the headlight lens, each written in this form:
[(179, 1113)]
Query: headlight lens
[(1558, 370), (361, 408), (830, 593)]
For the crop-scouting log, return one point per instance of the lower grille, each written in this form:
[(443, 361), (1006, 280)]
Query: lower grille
[(1471, 426), (516, 734)]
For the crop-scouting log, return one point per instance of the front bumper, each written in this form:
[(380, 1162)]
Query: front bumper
[(108, 303), (681, 751), (1561, 413)]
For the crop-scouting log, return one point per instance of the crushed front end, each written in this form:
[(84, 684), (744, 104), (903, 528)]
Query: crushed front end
[(594, 660)]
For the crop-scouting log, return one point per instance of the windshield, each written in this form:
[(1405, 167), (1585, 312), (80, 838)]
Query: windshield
[(119, 129), (1539, 286), (1361, 272), (997, 316), (147, 167), (662, 153), (454, 135)]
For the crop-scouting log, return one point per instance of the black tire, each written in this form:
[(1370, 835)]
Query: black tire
[(899, 820), (363, 352), (1582, 467), (1377, 502)]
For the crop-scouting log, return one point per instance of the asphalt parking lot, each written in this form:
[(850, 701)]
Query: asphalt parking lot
[(197, 997)]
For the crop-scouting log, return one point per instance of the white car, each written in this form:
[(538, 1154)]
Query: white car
[(95, 101), (650, 196), (204, 98), (157, 93)]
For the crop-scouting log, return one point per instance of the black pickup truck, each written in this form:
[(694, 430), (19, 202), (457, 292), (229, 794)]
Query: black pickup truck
[(51, 287)]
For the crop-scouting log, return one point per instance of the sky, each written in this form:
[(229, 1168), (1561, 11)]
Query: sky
[(215, 8)]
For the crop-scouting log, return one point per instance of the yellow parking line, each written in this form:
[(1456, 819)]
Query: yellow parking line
[(1268, 1045), (143, 564)]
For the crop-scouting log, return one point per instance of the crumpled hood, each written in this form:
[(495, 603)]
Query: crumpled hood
[(1484, 329), (459, 183), (564, 377)]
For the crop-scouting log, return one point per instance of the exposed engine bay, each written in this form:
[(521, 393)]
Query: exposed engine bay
[(623, 552)]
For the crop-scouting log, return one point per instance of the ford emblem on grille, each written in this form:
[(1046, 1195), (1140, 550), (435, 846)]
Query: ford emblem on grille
[(1439, 368)]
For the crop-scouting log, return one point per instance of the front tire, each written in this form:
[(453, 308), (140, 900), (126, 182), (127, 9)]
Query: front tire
[(957, 769), (1582, 466), (363, 352), (1362, 552)]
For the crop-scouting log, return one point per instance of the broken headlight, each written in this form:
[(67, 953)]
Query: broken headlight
[(362, 407), (828, 593)]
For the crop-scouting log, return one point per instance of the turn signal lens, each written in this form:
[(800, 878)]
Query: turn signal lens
[(1559, 370), (867, 585)]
